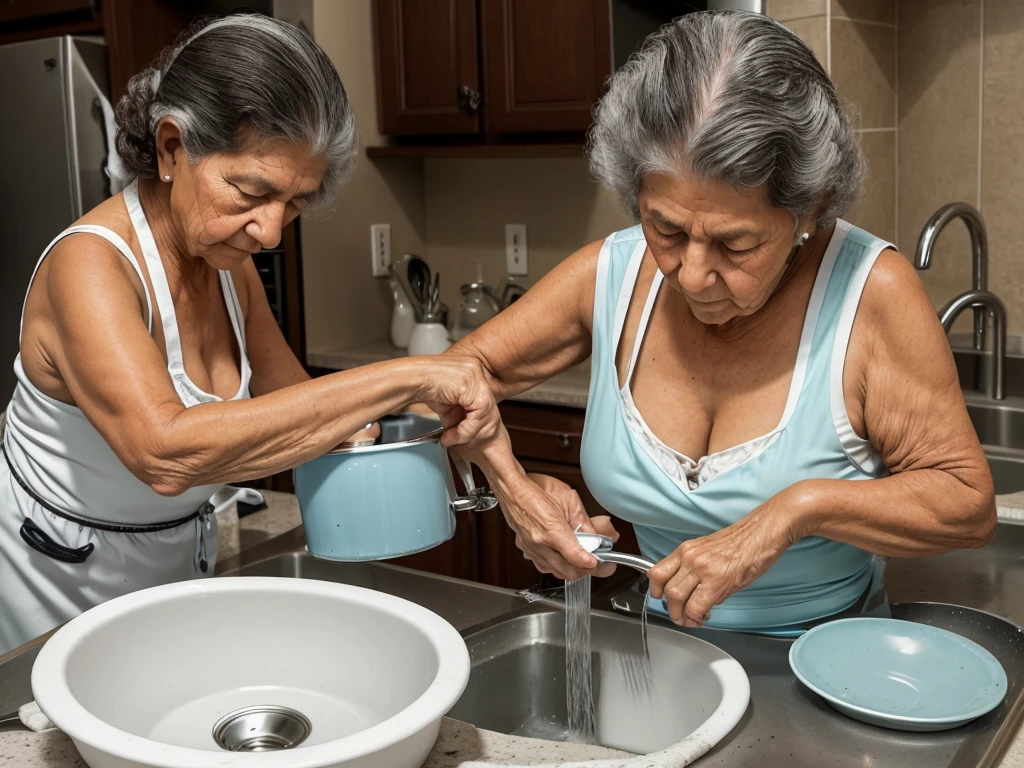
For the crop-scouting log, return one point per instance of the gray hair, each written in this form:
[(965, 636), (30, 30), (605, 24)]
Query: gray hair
[(733, 97), (236, 80)]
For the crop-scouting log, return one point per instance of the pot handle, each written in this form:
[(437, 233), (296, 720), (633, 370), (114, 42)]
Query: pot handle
[(476, 499)]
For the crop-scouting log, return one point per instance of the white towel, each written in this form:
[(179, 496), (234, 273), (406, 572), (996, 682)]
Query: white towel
[(33, 718)]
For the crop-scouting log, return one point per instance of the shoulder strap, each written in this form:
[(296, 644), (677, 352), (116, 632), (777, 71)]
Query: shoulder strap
[(157, 275), (111, 237), (859, 450)]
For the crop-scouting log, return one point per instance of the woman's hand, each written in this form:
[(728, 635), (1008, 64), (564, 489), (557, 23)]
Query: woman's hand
[(458, 389), (701, 573), (545, 513)]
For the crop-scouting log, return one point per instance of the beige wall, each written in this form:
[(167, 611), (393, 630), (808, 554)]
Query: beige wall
[(962, 136), (344, 303), (855, 40), (470, 201)]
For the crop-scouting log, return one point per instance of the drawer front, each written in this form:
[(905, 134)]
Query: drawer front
[(561, 447)]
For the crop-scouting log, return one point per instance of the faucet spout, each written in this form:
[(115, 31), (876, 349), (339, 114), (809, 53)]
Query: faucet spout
[(984, 301), (979, 252)]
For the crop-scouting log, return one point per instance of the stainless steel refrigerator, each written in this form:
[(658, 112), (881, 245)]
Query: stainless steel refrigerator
[(52, 153)]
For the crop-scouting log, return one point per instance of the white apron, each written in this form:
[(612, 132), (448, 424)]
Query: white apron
[(76, 528)]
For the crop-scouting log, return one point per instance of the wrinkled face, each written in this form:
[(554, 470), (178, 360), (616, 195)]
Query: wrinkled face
[(230, 205), (722, 248)]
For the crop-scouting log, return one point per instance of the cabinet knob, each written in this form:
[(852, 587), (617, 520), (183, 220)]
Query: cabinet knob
[(471, 98), (566, 441)]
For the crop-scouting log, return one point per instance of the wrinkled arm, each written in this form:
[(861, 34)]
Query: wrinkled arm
[(540, 335), (543, 333), (117, 376), (939, 496)]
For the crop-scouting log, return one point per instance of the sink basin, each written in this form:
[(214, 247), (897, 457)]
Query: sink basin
[(197, 673), (697, 688), (1000, 428)]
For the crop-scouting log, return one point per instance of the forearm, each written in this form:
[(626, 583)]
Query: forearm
[(915, 513), (238, 440)]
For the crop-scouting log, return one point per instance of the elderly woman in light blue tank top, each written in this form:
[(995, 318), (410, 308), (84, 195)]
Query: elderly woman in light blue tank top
[(773, 404)]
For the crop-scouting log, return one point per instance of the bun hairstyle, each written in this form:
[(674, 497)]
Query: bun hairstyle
[(234, 81)]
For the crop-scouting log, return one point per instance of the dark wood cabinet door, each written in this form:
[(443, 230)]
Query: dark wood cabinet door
[(427, 67), (545, 63)]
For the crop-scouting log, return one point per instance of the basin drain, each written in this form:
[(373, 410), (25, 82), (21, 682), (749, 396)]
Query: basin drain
[(261, 729)]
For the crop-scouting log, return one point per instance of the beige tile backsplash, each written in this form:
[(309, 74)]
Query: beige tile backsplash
[(787, 10), (813, 30), (1002, 151), (939, 56), (880, 11), (875, 211), (864, 70), (961, 128)]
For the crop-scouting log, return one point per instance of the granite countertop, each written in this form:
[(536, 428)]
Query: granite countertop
[(459, 744), (567, 389)]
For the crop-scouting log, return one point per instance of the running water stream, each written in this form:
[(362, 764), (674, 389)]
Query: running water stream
[(579, 687), (634, 663)]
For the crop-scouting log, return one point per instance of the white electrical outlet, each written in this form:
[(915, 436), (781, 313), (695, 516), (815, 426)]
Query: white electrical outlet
[(515, 249), (380, 244)]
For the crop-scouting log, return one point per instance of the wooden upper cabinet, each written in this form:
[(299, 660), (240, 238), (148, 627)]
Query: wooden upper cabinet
[(545, 63), (427, 68)]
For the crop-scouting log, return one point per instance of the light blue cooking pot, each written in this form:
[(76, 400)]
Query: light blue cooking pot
[(391, 498)]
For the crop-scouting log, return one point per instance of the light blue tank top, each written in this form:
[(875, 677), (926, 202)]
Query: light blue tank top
[(816, 577)]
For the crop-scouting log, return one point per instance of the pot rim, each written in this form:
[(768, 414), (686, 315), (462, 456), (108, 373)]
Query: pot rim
[(433, 436)]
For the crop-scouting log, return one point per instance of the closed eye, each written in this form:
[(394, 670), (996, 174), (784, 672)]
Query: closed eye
[(246, 195)]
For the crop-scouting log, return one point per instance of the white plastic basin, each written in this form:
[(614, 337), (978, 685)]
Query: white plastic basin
[(143, 679)]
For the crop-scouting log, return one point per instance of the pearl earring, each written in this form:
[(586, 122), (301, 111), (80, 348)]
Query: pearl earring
[(167, 177), (803, 239)]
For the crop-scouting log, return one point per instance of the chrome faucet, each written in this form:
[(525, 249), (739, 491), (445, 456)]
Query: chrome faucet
[(987, 302), (979, 254)]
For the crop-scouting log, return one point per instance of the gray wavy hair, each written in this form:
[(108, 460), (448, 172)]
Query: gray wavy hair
[(232, 81), (733, 97)]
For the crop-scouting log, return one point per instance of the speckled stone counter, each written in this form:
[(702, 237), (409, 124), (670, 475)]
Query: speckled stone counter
[(458, 744), (567, 389)]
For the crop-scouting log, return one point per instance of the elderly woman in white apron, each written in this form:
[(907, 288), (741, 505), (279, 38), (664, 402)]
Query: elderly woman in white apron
[(151, 369)]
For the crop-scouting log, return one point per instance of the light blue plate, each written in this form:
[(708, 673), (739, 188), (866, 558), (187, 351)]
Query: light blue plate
[(898, 674)]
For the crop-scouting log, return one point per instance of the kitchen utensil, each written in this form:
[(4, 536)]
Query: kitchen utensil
[(435, 294), (601, 548), (332, 674), (510, 291), (403, 317), (428, 339), (479, 304), (419, 278), (898, 674), (400, 272), (383, 501)]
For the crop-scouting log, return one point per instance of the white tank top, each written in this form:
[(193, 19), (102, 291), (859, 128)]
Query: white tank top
[(57, 452)]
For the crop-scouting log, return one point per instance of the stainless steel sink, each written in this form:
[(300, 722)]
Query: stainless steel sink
[(518, 683), (1000, 428)]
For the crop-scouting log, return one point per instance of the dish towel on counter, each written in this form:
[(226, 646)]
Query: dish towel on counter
[(32, 717)]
